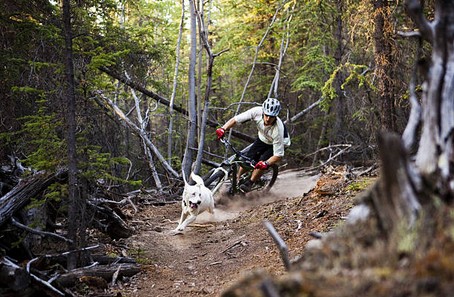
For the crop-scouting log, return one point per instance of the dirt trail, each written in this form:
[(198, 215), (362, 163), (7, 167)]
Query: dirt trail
[(216, 250)]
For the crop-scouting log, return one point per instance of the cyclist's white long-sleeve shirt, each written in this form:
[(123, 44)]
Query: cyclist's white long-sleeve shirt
[(272, 135)]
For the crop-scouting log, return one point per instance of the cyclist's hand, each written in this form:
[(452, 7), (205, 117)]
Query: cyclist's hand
[(262, 165), (220, 132)]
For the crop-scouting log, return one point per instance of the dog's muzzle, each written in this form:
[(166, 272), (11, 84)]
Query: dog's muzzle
[(194, 205)]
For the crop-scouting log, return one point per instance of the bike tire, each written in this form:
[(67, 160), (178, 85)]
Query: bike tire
[(214, 179), (270, 176)]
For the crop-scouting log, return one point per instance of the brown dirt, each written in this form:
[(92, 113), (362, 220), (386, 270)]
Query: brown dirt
[(218, 250)]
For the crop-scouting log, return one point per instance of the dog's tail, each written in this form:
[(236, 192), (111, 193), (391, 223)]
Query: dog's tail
[(184, 178), (198, 180)]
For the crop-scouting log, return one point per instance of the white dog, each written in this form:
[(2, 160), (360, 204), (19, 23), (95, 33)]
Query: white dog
[(196, 199)]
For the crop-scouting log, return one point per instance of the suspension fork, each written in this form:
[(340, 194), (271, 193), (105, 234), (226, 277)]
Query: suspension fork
[(234, 177)]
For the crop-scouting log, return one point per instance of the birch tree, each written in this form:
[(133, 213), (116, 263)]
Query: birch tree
[(192, 121)]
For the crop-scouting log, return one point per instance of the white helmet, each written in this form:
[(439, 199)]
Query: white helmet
[(271, 107)]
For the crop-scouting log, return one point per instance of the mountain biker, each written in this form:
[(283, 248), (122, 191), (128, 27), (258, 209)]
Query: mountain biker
[(268, 148)]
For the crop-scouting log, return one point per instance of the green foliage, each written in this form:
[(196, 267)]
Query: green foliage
[(106, 59), (57, 192), (360, 185), (40, 134), (26, 89), (101, 166), (356, 73)]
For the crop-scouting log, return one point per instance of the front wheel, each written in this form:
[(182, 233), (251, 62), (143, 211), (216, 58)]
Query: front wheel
[(215, 179), (268, 179)]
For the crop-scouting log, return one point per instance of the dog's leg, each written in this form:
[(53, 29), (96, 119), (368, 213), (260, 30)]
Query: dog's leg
[(186, 222), (182, 219)]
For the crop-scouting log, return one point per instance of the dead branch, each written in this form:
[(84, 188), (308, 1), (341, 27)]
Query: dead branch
[(303, 112), (166, 102), (331, 158), (21, 194), (13, 276), (34, 231), (108, 221), (280, 244)]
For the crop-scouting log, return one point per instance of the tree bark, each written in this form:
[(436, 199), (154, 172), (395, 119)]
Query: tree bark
[(76, 222), (192, 123), (384, 63), (395, 196), (174, 88), (106, 272), (435, 155), (27, 189)]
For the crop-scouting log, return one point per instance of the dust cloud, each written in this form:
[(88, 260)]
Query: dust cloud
[(289, 184)]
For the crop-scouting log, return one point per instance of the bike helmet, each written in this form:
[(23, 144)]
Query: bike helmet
[(271, 107)]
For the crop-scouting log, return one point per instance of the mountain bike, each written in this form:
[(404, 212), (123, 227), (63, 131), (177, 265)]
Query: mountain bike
[(227, 171)]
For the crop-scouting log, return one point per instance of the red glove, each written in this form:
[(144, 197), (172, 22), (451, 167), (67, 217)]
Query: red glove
[(220, 132), (262, 165)]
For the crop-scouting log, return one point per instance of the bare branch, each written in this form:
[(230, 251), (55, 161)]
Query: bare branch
[(34, 231), (416, 12), (301, 113), (141, 133), (280, 244)]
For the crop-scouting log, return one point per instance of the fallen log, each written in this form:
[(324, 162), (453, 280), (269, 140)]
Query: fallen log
[(106, 272), (26, 189), (109, 222), (13, 276)]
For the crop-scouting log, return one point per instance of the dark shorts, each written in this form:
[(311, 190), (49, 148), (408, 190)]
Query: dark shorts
[(260, 151)]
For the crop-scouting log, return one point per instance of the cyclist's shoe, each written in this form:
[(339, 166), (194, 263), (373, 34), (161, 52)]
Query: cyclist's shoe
[(247, 186)]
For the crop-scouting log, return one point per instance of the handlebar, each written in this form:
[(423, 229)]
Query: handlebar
[(238, 153)]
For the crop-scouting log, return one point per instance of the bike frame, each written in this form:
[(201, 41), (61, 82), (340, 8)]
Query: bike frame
[(231, 166)]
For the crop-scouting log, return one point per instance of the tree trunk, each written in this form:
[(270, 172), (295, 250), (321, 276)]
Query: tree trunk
[(192, 123), (337, 134), (105, 272), (174, 88), (404, 185), (75, 217), (435, 155), (384, 63)]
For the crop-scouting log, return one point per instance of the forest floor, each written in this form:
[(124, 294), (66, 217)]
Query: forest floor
[(218, 250)]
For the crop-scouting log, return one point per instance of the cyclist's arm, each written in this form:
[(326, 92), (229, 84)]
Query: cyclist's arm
[(273, 160), (229, 124)]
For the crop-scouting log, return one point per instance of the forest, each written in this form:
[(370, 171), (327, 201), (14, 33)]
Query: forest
[(104, 99)]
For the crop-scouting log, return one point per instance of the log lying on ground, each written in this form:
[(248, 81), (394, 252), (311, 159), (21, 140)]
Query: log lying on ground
[(106, 219), (13, 276), (17, 280), (21, 194), (105, 272), (109, 222)]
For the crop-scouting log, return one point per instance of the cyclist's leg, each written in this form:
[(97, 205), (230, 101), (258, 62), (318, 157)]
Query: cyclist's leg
[(254, 152), (267, 153), (258, 151)]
